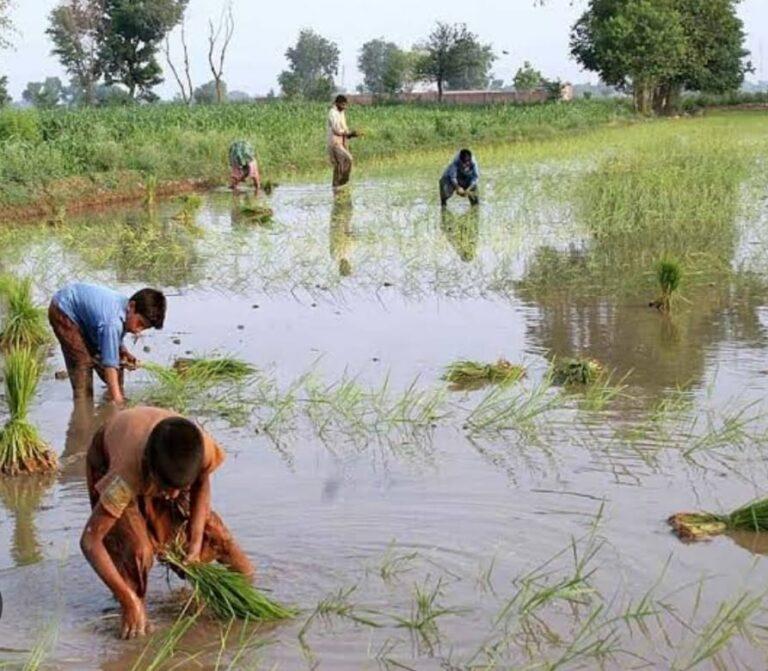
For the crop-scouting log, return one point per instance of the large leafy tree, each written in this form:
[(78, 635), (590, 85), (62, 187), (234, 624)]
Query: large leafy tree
[(385, 67), (131, 33), (45, 94), (312, 65), (453, 57), (74, 30), (655, 48)]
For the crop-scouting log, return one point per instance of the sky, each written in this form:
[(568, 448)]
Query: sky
[(265, 30)]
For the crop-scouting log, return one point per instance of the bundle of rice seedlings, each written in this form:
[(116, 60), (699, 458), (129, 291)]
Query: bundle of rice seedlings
[(703, 525), (260, 214), (224, 368), (24, 324), (668, 274), (575, 371), (269, 186), (472, 375), (226, 593), (21, 448), (190, 203)]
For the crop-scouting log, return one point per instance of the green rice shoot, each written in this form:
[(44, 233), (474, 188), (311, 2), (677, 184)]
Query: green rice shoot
[(703, 525), (22, 450), (668, 274), (466, 375), (268, 186), (260, 214), (575, 371), (24, 323), (228, 594)]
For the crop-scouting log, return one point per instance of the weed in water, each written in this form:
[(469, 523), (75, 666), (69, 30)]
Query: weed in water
[(468, 375), (575, 371), (24, 324), (22, 450)]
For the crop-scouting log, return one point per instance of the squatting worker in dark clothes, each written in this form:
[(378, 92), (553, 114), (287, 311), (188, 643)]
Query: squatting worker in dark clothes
[(148, 473), (338, 142), (90, 322), (461, 177)]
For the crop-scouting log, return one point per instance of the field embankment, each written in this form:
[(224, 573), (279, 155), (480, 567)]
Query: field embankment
[(85, 158)]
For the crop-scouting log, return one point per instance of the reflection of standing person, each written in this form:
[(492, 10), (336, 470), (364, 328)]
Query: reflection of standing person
[(461, 177), (340, 233), (242, 161), (338, 142)]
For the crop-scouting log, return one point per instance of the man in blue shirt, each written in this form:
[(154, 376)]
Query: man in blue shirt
[(90, 322), (460, 177)]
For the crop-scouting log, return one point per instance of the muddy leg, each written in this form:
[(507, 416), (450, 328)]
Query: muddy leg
[(220, 545)]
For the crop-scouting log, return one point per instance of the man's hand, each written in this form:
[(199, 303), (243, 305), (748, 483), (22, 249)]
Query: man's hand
[(127, 360), (135, 621), (461, 191)]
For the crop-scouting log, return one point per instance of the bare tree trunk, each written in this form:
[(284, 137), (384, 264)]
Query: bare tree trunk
[(185, 90), (224, 31)]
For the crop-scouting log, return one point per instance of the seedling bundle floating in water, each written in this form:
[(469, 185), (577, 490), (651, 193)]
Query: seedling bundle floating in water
[(702, 525), (22, 450), (24, 323), (226, 593), (466, 375), (576, 371), (260, 214)]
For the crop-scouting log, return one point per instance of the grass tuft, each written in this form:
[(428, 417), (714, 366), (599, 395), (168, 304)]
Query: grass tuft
[(668, 274), (24, 324), (576, 371)]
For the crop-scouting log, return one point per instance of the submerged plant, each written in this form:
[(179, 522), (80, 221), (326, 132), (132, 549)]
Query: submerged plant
[(701, 525), (24, 324), (464, 375), (190, 203), (228, 594), (668, 274), (575, 371), (22, 450)]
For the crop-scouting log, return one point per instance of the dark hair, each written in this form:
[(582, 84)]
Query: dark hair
[(150, 304), (465, 155), (341, 99), (174, 453)]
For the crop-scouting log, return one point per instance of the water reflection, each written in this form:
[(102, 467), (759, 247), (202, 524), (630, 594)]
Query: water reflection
[(84, 421), (22, 497), (340, 235), (462, 231)]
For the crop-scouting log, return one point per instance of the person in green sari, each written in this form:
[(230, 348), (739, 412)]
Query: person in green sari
[(242, 161)]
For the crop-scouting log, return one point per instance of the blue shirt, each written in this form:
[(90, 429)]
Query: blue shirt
[(100, 314), (458, 175)]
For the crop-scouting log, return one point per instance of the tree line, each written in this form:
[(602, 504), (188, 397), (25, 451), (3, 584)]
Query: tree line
[(653, 50)]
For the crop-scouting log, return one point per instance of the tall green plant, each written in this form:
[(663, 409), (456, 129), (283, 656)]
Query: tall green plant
[(24, 323)]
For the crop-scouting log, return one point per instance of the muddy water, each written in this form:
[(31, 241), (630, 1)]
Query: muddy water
[(382, 287)]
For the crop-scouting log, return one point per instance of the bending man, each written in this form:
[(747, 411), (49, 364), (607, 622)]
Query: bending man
[(461, 177)]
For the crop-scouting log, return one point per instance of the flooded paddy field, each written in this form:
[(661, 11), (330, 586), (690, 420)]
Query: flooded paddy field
[(416, 526)]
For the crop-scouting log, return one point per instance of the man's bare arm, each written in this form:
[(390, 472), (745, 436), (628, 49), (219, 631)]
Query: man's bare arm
[(200, 507)]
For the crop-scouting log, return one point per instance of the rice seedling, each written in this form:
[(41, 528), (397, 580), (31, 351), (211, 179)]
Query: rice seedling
[(22, 450), (668, 274), (219, 368), (228, 594), (703, 525), (150, 191), (24, 324), (190, 203), (468, 375), (259, 214), (268, 186), (575, 371), (163, 646), (339, 605)]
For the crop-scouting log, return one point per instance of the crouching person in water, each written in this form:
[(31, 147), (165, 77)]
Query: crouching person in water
[(90, 322), (242, 162), (148, 473), (461, 177)]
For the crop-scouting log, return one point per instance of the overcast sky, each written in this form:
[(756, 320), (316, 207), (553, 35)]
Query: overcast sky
[(265, 30)]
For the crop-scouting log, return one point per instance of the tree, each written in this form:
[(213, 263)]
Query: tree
[(208, 93), (384, 66), (186, 87), (634, 45), (527, 78), (6, 25), (45, 94), (313, 62), (131, 34), (5, 98), (224, 32), (452, 56), (74, 30)]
